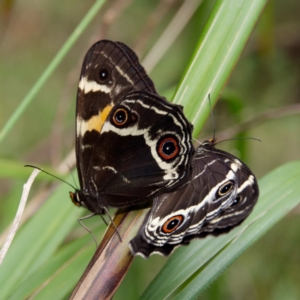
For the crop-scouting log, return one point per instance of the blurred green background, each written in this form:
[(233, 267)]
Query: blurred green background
[(264, 83)]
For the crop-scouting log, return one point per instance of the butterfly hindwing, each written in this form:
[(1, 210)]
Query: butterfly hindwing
[(221, 193), (136, 162)]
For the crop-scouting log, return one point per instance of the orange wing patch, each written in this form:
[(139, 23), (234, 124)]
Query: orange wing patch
[(95, 122)]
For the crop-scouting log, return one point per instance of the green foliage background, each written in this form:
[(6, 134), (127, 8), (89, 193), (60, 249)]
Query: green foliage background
[(266, 77)]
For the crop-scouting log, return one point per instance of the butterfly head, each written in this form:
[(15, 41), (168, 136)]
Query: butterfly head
[(76, 198), (89, 201)]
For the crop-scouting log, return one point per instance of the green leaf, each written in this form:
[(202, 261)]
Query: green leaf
[(38, 239), (58, 273), (217, 52)]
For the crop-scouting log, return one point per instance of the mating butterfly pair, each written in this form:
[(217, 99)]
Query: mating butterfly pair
[(132, 146)]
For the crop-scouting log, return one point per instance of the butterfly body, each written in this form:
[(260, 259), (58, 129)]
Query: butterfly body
[(220, 194)]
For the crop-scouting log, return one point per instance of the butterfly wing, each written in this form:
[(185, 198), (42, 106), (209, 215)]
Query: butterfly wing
[(221, 193), (144, 149), (110, 70)]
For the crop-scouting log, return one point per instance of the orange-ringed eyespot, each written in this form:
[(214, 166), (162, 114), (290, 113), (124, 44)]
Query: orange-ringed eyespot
[(120, 117), (168, 148), (172, 224)]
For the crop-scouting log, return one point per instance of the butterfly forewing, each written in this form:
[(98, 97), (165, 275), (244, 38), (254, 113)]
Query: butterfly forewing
[(131, 143), (109, 71)]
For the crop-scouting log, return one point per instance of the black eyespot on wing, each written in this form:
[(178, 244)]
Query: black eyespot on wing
[(103, 74), (224, 189), (172, 224), (167, 148), (236, 201)]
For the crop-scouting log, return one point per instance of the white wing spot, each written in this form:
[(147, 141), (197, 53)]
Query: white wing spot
[(92, 86)]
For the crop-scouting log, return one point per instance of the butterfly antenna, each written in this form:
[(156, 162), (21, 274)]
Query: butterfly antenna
[(34, 167), (212, 118), (72, 177), (88, 230), (240, 138), (198, 142)]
